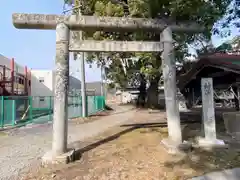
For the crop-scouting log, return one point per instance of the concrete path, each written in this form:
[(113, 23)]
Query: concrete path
[(24, 147), (230, 174)]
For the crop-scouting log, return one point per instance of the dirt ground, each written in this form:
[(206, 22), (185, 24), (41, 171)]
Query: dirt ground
[(91, 118), (134, 152)]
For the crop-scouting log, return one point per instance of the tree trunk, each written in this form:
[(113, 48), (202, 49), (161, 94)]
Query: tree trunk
[(189, 98), (152, 94)]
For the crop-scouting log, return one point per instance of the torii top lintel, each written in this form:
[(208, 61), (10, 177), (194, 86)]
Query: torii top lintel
[(75, 22)]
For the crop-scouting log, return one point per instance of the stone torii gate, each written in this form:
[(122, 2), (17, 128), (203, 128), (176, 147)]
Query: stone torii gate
[(63, 25)]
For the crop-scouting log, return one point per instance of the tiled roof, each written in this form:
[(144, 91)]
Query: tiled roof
[(218, 60)]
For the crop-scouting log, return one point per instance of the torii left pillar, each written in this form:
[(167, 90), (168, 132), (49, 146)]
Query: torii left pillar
[(174, 140), (59, 144), (60, 115)]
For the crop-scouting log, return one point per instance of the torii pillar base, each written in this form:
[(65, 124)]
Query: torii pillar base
[(50, 159), (209, 144), (175, 148)]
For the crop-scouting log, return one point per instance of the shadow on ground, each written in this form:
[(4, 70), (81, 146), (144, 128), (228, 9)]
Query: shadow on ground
[(98, 154), (85, 146), (199, 160)]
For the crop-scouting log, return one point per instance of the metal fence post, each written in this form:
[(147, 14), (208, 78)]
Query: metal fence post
[(2, 112), (87, 106), (30, 108), (97, 103), (50, 108), (94, 101), (103, 103), (14, 110)]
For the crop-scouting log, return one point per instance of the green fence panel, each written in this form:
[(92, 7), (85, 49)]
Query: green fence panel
[(98, 103), (12, 110), (14, 107), (21, 110), (101, 103), (91, 105), (74, 107), (42, 109), (9, 111), (22, 107)]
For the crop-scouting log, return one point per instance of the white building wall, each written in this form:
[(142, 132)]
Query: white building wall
[(41, 87), (46, 86), (41, 82)]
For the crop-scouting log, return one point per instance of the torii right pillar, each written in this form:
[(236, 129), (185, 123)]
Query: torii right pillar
[(170, 92)]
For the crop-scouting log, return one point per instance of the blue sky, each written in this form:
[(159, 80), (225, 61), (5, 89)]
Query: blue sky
[(36, 48)]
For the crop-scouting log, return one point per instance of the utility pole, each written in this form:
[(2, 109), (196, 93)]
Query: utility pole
[(103, 90), (80, 56), (102, 93)]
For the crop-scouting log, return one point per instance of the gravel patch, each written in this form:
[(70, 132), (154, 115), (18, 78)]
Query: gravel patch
[(23, 147)]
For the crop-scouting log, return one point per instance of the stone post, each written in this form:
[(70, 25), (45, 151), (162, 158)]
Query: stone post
[(170, 89), (60, 114), (208, 109)]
